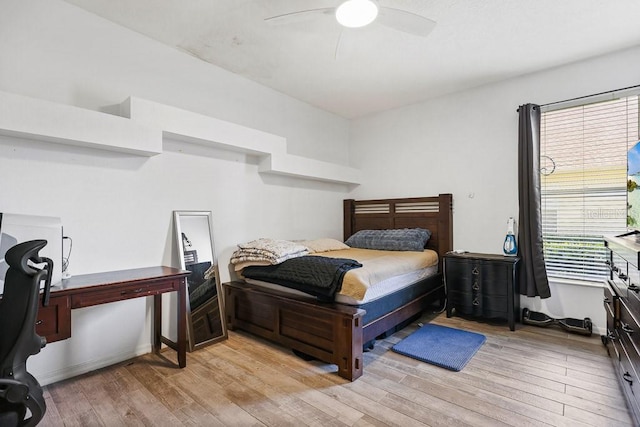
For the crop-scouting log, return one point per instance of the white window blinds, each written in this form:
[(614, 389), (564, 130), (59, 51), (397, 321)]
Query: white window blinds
[(583, 161)]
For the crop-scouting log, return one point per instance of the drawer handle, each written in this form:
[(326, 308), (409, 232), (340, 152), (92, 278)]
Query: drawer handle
[(633, 287), (475, 286), (39, 322), (622, 276), (476, 302), (625, 327), (607, 262), (611, 336), (627, 378), (475, 271), (135, 291)]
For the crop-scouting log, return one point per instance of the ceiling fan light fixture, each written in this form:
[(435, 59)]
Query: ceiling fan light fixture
[(356, 13)]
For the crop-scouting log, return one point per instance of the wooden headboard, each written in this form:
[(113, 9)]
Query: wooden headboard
[(433, 213)]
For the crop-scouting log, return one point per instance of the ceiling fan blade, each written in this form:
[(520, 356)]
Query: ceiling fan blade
[(406, 22), (300, 16)]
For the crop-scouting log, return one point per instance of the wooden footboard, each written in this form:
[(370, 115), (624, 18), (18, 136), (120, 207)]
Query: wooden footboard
[(331, 333)]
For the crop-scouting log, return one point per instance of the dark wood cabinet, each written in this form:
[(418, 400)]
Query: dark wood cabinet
[(482, 285), (54, 321), (622, 308)]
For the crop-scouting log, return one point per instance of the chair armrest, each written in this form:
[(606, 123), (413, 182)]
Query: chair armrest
[(13, 391)]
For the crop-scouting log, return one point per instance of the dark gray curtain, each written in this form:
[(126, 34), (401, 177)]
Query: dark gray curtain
[(533, 274)]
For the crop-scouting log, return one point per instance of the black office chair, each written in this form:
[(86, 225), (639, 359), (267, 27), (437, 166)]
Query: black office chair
[(19, 390)]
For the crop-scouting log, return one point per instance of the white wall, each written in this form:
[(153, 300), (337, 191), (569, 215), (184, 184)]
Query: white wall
[(117, 207), (466, 144)]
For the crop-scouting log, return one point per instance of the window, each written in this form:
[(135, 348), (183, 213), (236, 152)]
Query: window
[(583, 160)]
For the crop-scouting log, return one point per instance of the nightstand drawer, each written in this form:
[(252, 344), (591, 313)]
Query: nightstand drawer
[(495, 280), (488, 277), (480, 305), (461, 273), (458, 297), (494, 306), (465, 302)]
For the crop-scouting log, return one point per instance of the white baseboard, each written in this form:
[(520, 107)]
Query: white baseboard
[(92, 365)]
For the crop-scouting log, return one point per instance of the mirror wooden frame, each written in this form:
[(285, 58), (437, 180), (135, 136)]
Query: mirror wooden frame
[(205, 311)]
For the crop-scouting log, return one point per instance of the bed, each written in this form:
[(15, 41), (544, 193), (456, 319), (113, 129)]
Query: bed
[(332, 332)]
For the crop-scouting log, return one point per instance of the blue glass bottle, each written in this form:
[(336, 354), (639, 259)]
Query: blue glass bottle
[(510, 247)]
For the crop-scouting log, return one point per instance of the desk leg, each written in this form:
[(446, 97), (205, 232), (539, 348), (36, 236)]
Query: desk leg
[(182, 325), (180, 346), (157, 323)]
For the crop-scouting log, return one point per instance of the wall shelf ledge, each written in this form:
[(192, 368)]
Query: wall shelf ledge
[(41, 120), (138, 128)]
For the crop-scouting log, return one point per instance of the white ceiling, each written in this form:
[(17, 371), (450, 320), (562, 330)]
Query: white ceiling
[(473, 43)]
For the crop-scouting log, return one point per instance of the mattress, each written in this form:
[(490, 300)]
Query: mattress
[(374, 292), (378, 267)]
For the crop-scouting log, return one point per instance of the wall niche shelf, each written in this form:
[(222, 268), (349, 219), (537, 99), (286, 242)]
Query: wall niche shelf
[(42, 120), (140, 125)]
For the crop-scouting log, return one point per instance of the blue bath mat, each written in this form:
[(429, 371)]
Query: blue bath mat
[(442, 346)]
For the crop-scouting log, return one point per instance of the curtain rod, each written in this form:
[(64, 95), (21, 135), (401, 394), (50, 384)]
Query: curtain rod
[(587, 96)]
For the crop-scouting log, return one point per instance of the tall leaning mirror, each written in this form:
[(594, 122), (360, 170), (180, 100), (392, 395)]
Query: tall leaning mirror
[(194, 236)]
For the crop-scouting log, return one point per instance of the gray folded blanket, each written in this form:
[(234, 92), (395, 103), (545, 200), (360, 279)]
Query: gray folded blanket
[(316, 275)]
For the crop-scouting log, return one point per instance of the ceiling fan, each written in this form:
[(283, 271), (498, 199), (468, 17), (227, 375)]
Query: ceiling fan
[(360, 13)]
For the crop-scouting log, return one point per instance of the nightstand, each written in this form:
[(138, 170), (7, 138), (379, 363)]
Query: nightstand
[(482, 285)]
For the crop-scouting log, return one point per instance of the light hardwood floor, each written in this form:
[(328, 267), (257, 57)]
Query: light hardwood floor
[(530, 377)]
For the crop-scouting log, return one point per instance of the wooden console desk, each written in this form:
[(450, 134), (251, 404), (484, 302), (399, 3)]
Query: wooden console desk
[(54, 321)]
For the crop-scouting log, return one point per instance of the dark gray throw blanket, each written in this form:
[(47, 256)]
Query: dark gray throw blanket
[(316, 275)]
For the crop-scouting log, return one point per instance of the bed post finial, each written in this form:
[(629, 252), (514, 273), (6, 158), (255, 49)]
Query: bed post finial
[(445, 225), (348, 209)]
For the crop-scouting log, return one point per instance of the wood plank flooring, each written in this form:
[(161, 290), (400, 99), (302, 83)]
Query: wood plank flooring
[(530, 377)]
